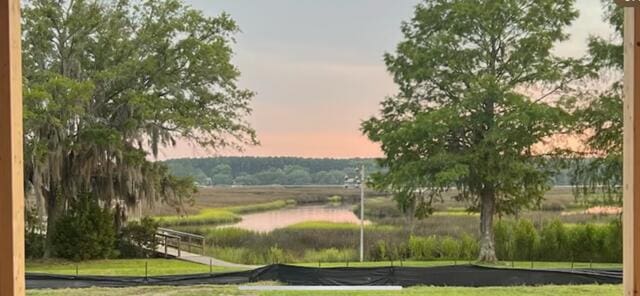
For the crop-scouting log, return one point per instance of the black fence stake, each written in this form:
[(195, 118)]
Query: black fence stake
[(210, 266), (146, 271), (571, 264), (76, 269)]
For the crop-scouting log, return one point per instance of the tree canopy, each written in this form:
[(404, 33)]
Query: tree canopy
[(467, 114), (599, 115), (107, 83)]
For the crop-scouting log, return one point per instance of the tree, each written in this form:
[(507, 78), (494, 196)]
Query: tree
[(467, 115), (108, 83), (600, 116)]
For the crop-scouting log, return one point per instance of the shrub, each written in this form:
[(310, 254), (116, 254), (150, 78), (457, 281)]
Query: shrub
[(525, 240), (330, 255), (469, 247), (85, 231), (503, 234), (379, 251), (449, 248), (34, 240), (277, 255), (423, 248), (137, 239), (613, 242), (554, 242)]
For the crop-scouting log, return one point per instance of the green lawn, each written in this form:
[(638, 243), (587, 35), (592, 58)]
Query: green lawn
[(603, 290), (133, 267), (167, 266), (517, 264)]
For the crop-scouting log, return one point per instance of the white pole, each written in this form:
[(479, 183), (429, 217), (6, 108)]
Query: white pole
[(362, 180)]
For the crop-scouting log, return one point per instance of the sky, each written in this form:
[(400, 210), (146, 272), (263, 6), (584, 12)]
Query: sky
[(317, 69)]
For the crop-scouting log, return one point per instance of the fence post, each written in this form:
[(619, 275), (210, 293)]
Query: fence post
[(166, 254), (189, 245)]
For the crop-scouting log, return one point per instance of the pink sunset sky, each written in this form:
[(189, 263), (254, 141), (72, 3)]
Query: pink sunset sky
[(317, 70)]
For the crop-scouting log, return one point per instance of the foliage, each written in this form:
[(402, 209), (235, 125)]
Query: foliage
[(34, 237), (599, 115), (86, 231), (214, 216), (466, 114), (330, 255), (138, 239), (557, 242), (268, 170), (525, 240), (109, 83)]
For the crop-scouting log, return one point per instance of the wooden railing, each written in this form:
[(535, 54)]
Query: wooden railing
[(181, 241)]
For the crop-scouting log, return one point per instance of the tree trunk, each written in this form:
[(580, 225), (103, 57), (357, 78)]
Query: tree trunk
[(54, 208), (487, 210)]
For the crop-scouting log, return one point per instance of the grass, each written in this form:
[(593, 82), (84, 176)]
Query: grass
[(505, 264), (216, 216), (587, 290), (224, 197), (124, 267), (167, 267), (335, 226)]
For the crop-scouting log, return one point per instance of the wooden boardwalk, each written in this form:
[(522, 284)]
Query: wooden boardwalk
[(179, 245)]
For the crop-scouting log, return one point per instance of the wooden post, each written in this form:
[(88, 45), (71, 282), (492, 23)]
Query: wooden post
[(631, 189), (11, 160)]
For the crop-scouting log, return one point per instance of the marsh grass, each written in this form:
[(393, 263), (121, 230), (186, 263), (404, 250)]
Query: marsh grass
[(218, 216)]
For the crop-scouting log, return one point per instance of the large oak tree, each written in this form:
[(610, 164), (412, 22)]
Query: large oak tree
[(466, 115), (107, 83)]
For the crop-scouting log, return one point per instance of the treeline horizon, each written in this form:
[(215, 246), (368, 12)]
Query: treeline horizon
[(283, 170), (251, 170)]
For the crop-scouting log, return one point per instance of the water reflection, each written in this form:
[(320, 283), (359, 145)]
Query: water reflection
[(268, 221)]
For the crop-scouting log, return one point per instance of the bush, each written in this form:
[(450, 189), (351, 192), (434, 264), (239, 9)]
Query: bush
[(423, 248), (277, 255), (34, 239), (613, 242), (379, 252), (330, 255), (525, 240), (449, 248), (469, 247), (503, 234), (554, 242), (138, 239), (85, 231)]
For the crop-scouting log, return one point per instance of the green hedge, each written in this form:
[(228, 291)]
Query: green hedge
[(555, 241)]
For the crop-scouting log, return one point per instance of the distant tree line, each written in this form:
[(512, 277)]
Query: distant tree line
[(269, 170), (221, 171)]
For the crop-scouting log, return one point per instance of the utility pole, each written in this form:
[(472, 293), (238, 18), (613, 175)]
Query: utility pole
[(362, 180)]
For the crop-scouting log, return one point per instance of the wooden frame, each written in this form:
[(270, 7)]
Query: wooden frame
[(12, 280), (631, 190)]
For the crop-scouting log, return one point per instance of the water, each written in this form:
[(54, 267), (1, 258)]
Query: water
[(268, 221)]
